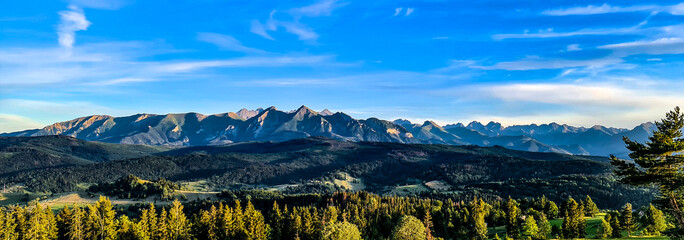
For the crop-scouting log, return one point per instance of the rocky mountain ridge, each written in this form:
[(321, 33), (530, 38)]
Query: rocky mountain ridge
[(271, 124)]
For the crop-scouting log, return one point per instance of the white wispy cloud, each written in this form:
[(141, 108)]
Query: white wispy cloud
[(99, 4), (12, 123), (301, 30), (321, 8), (124, 80), (595, 9), (671, 45), (535, 63), (573, 47), (397, 11), (294, 25), (120, 63), (583, 104), (69, 107), (677, 9), (187, 66), (550, 33), (71, 20), (227, 42), (259, 29)]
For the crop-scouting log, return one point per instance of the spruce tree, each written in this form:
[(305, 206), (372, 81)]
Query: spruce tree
[(478, 213), (276, 221), (7, 226), (613, 219), (605, 230), (573, 221), (179, 227), (655, 221), (76, 229), (590, 208), (162, 226), (51, 230), (627, 220), (255, 225), (552, 210), (659, 162), (544, 228), (63, 222), (427, 221), (100, 220), (531, 229), (126, 229), (512, 219)]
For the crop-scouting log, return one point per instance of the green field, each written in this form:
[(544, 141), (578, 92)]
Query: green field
[(592, 227)]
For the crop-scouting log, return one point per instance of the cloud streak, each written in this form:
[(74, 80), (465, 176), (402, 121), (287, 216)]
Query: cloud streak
[(71, 20), (294, 24), (227, 42), (677, 9), (321, 8), (536, 63)]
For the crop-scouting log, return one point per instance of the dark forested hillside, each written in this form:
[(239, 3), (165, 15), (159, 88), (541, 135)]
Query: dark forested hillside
[(19, 154), (326, 165)]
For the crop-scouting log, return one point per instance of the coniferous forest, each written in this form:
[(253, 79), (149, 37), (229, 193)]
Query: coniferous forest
[(360, 215), (268, 214)]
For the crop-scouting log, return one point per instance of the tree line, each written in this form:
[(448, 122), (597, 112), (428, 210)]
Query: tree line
[(340, 215)]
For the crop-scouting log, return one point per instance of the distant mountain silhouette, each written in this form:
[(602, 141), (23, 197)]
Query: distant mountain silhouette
[(270, 124)]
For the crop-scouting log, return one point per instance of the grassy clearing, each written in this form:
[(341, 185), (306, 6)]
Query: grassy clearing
[(349, 183)]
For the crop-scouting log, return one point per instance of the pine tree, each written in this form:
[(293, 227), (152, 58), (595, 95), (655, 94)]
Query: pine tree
[(627, 220), (76, 231), (552, 210), (51, 230), (655, 221), (590, 208), (178, 224), (126, 229), (477, 217), (605, 230), (100, 220), (276, 222), (613, 219), (531, 229), (205, 225), (329, 215), (7, 226), (162, 226), (544, 228), (573, 223), (658, 162), (512, 219), (21, 220), (64, 222), (427, 221), (40, 225), (255, 225), (144, 227)]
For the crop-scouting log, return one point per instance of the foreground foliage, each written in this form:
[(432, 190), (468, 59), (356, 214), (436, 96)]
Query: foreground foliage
[(267, 215), (660, 162)]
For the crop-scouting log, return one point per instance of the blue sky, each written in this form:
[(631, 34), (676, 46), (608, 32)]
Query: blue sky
[(615, 63)]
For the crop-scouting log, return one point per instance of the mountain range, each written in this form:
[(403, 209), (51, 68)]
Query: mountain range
[(270, 124)]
